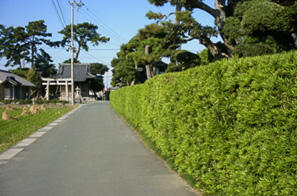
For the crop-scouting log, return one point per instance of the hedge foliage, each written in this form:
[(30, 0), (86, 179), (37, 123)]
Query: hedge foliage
[(230, 127)]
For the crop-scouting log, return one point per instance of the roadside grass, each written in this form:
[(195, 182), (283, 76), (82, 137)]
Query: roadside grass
[(13, 131)]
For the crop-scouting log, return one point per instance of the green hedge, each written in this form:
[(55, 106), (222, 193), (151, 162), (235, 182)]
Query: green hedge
[(229, 127)]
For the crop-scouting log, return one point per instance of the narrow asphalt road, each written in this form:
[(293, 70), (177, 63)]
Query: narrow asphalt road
[(90, 152)]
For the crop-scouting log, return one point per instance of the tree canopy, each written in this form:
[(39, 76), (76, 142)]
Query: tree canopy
[(246, 28), (135, 58), (84, 33), (13, 45), (21, 43), (261, 27), (240, 23), (98, 70)]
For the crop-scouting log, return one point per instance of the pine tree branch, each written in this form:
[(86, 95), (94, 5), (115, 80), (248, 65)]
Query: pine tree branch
[(200, 5)]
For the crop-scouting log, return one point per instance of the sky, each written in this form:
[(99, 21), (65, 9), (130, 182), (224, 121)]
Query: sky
[(119, 20)]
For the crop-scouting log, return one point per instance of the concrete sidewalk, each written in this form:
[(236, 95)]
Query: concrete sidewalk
[(90, 152)]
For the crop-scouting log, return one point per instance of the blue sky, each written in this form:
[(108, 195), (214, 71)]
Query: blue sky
[(118, 19)]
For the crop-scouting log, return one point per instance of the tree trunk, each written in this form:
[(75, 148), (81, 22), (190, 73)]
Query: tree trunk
[(39, 86), (133, 82), (215, 49), (148, 67), (177, 9), (136, 70), (33, 49), (219, 15), (32, 57), (148, 71), (220, 6), (77, 53), (95, 95), (21, 65), (294, 35), (206, 8)]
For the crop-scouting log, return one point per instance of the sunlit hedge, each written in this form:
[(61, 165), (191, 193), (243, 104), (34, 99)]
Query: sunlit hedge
[(230, 127)]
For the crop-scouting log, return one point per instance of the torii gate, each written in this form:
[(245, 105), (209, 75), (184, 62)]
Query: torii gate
[(56, 82)]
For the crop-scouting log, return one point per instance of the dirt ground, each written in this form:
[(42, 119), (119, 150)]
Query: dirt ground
[(58, 105)]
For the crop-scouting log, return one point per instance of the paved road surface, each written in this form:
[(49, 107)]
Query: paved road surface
[(90, 152)]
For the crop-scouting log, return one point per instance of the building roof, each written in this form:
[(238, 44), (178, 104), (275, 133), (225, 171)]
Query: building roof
[(8, 77), (82, 72)]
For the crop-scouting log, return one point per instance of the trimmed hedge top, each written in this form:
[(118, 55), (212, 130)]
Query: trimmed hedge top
[(229, 127)]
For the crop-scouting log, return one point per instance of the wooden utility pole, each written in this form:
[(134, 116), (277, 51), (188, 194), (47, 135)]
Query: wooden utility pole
[(72, 49), (72, 55)]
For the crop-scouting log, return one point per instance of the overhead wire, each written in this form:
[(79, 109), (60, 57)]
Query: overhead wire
[(61, 21), (104, 24), (104, 27), (89, 48), (113, 44), (87, 16), (104, 30), (84, 53), (111, 29), (104, 49), (61, 11), (91, 16)]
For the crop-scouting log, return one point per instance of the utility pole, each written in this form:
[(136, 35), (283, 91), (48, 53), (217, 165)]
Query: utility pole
[(72, 55), (72, 49)]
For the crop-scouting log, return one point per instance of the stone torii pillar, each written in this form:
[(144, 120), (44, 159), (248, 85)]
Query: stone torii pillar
[(47, 90)]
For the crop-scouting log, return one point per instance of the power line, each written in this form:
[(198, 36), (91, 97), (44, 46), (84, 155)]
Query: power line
[(83, 53), (89, 49), (101, 27), (104, 26), (108, 28), (63, 24), (62, 14), (103, 49), (113, 44)]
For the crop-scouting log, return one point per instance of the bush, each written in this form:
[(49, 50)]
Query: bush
[(230, 127)]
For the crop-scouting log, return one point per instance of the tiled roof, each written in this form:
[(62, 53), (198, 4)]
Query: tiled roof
[(6, 76), (82, 72)]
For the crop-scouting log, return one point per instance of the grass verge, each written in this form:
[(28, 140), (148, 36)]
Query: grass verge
[(13, 131)]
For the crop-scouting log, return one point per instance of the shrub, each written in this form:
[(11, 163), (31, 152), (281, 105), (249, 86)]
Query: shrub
[(230, 127)]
